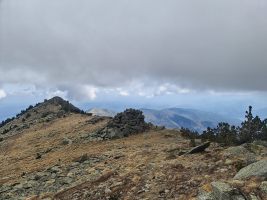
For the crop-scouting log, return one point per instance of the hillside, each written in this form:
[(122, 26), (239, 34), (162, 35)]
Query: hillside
[(43, 112), (187, 118), (77, 157)]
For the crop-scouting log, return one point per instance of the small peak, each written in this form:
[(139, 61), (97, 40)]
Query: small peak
[(65, 105), (56, 100)]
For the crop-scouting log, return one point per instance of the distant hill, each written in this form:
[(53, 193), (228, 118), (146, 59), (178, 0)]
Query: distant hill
[(46, 111), (188, 118), (102, 112)]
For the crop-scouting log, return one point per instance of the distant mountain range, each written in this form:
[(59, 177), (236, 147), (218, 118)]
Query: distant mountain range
[(177, 117), (188, 118)]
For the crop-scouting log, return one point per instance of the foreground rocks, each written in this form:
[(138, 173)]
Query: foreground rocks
[(225, 191), (52, 179), (249, 181)]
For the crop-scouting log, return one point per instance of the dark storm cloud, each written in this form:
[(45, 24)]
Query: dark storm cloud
[(195, 44)]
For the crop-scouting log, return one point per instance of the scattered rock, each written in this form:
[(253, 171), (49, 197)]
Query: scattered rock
[(203, 195), (66, 141), (38, 156), (224, 191), (82, 158), (258, 169), (263, 187), (199, 148), (253, 197)]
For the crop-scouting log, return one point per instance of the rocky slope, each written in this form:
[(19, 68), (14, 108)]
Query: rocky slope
[(57, 159), (47, 111)]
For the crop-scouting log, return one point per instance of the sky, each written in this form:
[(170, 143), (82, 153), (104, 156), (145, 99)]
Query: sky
[(210, 55)]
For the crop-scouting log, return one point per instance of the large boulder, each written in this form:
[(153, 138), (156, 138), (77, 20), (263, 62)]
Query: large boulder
[(224, 191), (258, 169), (126, 123), (236, 151), (220, 191), (240, 153)]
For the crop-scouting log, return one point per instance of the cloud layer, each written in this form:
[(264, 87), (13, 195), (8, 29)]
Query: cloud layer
[(199, 45)]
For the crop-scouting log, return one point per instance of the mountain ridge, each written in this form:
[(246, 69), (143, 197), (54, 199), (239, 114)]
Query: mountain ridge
[(194, 119), (46, 111)]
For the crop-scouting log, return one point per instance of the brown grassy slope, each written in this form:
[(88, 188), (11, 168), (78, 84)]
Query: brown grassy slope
[(18, 152), (136, 167)]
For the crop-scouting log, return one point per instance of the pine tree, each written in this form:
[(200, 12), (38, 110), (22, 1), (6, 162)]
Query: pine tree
[(250, 128)]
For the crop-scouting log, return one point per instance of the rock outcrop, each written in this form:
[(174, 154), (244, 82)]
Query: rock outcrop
[(126, 123)]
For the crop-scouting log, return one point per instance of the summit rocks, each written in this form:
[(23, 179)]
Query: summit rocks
[(126, 123)]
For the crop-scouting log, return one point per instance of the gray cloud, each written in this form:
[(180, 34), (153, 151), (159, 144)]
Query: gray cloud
[(195, 44)]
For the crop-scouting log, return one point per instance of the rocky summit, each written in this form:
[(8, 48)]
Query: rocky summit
[(63, 153), (126, 123)]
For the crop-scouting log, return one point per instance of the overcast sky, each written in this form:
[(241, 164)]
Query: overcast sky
[(86, 50)]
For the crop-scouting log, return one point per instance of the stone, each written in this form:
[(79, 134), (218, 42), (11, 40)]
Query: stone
[(55, 169), (107, 191), (238, 197), (205, 196), (50, 182), (253, 197), (199, 148), (258, 169), (228, 162), (82, 158), (19, 186), (235, 151), (263, 187), (66, 141), (4, 188), (66, 180), (29, 184), (223, 191), (97, 119), (38, 156), (240, 152)]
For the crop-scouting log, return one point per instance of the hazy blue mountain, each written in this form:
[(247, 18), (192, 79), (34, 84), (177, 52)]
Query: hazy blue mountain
[(189, 118)]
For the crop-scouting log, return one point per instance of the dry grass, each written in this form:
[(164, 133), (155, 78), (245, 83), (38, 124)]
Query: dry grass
[(140, 162)]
